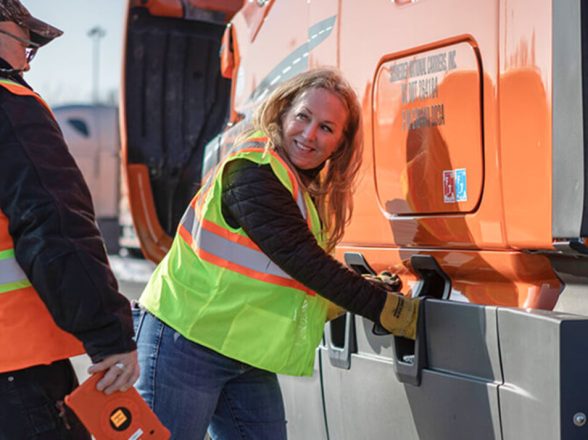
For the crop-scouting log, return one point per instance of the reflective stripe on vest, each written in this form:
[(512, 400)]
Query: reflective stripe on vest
[(254, 144), (238, 253), (211, 243), (11, 275)]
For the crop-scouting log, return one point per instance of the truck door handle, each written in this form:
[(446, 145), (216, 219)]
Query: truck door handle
[(434, 282), (410, 357), (340, 333), (341, 342), (357, 262)]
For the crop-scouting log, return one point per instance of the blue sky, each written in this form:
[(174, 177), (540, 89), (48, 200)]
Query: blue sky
[(62, 71)]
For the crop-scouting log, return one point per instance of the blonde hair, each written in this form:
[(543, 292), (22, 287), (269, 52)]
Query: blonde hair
[(331, 189)]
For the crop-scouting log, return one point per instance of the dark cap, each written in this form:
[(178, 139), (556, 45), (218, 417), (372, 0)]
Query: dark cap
[(41, 32)]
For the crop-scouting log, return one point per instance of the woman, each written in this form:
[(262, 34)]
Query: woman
[(243, 292)]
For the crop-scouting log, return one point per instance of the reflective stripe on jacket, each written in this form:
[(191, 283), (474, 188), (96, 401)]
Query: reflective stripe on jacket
[(28, 333), (18, 89), (217, 288)]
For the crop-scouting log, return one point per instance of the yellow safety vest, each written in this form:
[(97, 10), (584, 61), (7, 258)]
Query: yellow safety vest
[(217, 288)]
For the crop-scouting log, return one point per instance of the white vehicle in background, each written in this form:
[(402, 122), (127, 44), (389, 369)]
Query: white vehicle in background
[(92, 134)]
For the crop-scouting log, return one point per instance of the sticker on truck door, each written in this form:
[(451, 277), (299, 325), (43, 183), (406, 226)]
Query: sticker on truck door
[(455, 186), (448, 186), (461, 185)]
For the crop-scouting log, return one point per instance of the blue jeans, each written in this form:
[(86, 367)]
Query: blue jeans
[(192, 388)]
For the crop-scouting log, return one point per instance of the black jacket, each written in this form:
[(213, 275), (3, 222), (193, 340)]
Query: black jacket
[(254, 199), (52, 224)]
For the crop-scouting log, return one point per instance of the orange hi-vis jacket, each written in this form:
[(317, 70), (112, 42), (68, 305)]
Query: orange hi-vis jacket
[(28, 333)]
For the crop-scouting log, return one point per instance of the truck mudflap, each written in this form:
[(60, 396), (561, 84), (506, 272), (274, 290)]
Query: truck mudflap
[(490, 373)]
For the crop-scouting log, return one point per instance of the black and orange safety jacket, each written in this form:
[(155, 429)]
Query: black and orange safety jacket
[(65, 288)]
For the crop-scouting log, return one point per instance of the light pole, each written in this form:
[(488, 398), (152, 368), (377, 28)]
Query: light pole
[(96, 33)]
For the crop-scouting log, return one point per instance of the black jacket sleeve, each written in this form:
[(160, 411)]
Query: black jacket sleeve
[(51, 221), (254, 199)]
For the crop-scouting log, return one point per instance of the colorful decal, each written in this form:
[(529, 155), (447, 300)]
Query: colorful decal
[(448, 186), (455, 186), (461, 185)]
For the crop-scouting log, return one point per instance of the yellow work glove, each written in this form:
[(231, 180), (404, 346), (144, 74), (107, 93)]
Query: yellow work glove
[(389, 281), (400, 314)]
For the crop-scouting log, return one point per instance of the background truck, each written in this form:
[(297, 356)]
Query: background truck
[(91, 132), (473, 189)]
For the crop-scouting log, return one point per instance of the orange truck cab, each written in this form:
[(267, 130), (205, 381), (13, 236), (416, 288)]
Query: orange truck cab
[(473, 189)]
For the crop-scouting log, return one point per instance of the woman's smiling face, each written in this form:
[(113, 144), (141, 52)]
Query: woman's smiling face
[(313, 127)]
